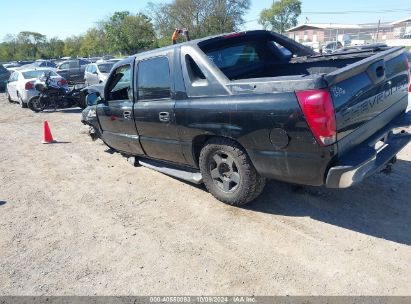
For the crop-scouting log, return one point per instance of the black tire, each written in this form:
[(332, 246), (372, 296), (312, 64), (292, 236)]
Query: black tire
[(34, 104), (228, 173), (21, 102)]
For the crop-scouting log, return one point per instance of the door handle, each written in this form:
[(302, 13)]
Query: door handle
[(164, 116), (127, 114)]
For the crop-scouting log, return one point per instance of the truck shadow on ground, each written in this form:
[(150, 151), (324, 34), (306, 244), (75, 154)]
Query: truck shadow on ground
[(379, 207)]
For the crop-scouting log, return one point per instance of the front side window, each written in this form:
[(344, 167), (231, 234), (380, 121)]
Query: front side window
[(119, 87), (154, 79), (73, 65), (105, 67)]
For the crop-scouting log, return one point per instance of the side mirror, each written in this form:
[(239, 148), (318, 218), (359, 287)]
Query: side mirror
[(93, 99)]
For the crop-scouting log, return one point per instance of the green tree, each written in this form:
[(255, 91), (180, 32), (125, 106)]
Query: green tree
[(281, 16), (94, 43), (72, 46), (139, 33), (52, 48), (29, 44), (8, 48), (201, 18), (113, 27)]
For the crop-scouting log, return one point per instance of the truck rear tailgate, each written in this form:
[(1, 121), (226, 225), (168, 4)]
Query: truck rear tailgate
[(367, 95)]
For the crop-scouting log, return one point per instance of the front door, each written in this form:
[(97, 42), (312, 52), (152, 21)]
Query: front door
[(115, 114), (154, 110)]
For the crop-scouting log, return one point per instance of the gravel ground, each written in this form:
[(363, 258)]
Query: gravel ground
[(77, 219)]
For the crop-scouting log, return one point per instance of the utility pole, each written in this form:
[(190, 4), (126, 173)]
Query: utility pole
[(378, 30)]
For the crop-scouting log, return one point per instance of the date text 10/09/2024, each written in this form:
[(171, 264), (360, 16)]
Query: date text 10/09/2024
[(202, 299)]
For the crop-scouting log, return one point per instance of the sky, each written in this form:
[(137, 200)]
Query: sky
[(62, 19)]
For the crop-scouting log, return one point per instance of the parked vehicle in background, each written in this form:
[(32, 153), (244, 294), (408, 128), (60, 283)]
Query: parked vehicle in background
[(331, 47), (38, 64), (44, 64), (234, 110), (20, 86), (72, 70), (363, 47), (4, 77), (11, 66), (97, 72)]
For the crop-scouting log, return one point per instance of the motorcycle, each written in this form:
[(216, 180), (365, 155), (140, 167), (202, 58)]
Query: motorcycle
[(53, 93)]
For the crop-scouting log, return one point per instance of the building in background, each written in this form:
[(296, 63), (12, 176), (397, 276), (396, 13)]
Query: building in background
[(402, 28), (316, 35)]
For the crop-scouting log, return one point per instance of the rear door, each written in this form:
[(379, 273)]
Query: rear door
[(115, 115), (91, 74), (75, 72), (64, 70), (154, 110)]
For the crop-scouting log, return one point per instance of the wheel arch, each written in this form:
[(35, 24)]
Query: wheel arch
[(200, 141)]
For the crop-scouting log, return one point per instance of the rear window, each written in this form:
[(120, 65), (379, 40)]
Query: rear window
[(84, 62), (35, 74), (105, 67), (234, 56)]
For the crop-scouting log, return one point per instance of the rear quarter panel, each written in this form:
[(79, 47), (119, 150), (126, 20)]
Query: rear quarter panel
[(270, 127)]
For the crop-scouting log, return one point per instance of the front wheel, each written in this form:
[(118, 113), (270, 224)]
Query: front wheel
[(228, 173), (21, 102), (37, 104)]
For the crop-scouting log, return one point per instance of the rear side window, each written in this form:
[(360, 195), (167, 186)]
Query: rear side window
[(73, 65), (154, 79), (64, 66), (234, 56)]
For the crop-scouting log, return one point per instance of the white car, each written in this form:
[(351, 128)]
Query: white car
[(20, 86), (98, 72)]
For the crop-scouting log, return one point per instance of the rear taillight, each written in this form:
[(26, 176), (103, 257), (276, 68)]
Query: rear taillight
[(29, 85), (62, 82), (409, 88), (318, 110), (407, 64)]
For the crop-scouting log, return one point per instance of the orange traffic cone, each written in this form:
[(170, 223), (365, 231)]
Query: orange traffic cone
[(48, 138)]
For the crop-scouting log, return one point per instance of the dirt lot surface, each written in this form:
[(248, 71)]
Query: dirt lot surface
[(76, 219)]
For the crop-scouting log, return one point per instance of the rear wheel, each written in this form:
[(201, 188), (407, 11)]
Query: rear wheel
[(228, 172), (21, 102), (36, 104)]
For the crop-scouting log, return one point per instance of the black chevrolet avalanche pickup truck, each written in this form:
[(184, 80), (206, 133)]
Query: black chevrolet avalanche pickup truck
[(233, 110)]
